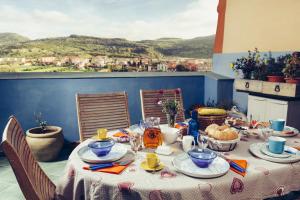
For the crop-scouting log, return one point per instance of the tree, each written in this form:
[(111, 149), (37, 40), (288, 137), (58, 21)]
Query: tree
[(181, 68)]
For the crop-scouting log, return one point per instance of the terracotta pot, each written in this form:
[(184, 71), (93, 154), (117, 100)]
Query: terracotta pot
[(293, 80), (277, 79), (45, 146)]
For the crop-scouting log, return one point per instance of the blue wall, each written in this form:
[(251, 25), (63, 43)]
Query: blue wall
[(221, 65), (55, 98)]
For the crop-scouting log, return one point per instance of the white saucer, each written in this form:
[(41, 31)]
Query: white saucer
[(117, 152), (265, 149), (255, 150), (184, 164)]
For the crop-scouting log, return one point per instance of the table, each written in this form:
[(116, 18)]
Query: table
[(264, 179)]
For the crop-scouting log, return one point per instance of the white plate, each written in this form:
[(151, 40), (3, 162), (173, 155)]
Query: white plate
[(286, 128), (265, 149), (117, 152), (255, 150), (184, 164)]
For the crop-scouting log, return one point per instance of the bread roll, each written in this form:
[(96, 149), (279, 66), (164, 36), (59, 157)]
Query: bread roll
[(221, 132)]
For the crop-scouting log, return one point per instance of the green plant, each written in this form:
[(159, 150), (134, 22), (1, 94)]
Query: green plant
[(292, 67), (275, 66), (252, 66), (41, 123), (169, 106)]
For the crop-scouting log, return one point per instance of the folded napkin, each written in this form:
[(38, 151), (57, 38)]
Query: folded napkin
[(117, 169), (121, 133), (238, 166), (181, 125)]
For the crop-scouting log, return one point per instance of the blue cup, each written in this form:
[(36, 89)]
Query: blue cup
[(277, 124), (276, 144)]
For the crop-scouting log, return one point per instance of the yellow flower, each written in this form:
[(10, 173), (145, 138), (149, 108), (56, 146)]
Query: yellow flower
[(231, 65)]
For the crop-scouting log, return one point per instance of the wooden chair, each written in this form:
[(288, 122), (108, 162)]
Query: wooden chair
[(106, 110), (150, 108), (33, 182)]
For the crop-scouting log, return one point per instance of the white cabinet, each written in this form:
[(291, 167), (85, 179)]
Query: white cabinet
[(265, 109), (255, 107)]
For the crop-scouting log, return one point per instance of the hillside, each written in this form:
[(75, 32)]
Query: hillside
[(85, 46), (11, 38)]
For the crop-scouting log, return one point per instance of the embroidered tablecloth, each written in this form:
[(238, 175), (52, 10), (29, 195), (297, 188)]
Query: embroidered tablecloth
[(263, 179)]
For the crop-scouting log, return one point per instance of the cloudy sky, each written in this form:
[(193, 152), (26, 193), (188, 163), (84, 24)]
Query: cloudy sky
[(131, 19)]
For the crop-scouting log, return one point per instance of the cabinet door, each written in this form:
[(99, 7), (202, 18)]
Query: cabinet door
[(276, 109), (256, 108)]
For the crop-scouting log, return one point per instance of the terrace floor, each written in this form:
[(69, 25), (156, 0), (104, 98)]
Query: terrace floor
[(9, 188)]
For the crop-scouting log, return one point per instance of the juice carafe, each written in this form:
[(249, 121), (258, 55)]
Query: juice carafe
[(152, 137)]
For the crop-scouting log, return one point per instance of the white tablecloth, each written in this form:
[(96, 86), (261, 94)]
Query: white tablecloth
[(264, 179)]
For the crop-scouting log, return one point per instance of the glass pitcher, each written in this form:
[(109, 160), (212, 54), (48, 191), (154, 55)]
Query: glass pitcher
[(152, 137)]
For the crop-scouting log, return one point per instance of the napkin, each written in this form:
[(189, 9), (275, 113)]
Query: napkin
[(121, 133), (180, 125), (241, 164), (118, 169)]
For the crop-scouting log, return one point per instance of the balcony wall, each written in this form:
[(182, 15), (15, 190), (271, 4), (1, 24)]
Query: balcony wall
[(54, 94)]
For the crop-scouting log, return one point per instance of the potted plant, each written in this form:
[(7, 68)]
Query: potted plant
[(275, 67), (169, 106), (292, 69), (44, 141), (251, 67)]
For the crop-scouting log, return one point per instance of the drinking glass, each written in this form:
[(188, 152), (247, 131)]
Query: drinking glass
[(266, 133), (202, 142)]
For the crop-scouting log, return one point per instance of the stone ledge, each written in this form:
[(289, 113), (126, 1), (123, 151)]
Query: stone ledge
[(85, 75)]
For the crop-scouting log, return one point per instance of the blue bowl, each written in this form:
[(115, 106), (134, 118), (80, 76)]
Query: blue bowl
[(202, 158), (101, 148)]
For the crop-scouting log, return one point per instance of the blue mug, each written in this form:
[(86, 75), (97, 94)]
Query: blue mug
[(277, 124), (276, 144)]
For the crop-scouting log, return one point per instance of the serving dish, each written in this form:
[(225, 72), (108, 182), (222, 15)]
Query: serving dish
[(101, 147), (202, 157)]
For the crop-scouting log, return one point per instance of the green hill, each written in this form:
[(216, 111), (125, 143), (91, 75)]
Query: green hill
[(11, 38), (86, 46)]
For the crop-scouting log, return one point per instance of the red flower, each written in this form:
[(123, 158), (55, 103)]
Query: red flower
[(161, 91), (177, 91)]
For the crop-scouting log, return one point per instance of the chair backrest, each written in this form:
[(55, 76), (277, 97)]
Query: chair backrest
[(33, 182), (106, 110), (150, 108)]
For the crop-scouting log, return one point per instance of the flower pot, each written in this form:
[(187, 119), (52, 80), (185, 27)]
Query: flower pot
[(278, 79), (293, 80), (45, 146)]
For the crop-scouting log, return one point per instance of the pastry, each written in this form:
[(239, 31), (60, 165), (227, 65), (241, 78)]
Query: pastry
[(221, 132)]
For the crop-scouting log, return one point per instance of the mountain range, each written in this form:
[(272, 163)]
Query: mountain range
[(15, 45)]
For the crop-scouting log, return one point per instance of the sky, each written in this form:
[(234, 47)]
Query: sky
[(130, 19)]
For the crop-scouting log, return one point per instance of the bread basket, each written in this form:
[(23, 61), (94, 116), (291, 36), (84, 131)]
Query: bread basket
[(206, 120), (220, 145)]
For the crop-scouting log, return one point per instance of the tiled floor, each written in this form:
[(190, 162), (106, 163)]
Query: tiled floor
[(9, 188)]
